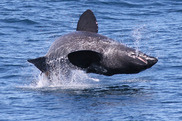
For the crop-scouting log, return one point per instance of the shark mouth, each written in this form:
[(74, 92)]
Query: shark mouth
[(143, 60)]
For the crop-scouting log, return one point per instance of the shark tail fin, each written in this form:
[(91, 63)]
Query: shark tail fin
[(40, 63)]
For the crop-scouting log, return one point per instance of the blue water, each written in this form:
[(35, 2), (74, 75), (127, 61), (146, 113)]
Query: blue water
[(28, 28)]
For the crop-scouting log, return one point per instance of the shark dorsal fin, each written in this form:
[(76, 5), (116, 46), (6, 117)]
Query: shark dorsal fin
[(87, 22)]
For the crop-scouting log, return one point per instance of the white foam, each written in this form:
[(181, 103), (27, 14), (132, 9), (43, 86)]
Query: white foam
[(77, 79)]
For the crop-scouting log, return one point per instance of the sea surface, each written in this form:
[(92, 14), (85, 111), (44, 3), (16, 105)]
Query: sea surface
[(29, 27)]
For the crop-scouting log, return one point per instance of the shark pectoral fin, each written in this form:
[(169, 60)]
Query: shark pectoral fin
[(40, 63), (87, 22), (84, 58), (95, 68)]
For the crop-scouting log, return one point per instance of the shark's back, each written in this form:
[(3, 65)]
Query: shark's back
[(79, 40)]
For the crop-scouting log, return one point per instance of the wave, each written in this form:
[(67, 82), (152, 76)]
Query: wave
[(15, 20), (2, 33)]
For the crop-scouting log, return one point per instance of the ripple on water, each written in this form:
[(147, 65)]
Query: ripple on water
[(21, 21)]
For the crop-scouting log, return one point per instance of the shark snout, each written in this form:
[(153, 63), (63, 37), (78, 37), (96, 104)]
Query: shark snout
[(151, 61)]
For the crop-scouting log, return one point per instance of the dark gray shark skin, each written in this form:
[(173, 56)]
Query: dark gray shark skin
[(87, 50)]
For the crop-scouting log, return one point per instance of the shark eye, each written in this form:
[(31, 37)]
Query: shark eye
[(133, 55)]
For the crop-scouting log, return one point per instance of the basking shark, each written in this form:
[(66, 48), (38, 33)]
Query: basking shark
[(91, 52)]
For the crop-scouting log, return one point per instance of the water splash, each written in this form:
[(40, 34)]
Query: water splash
[(77, 79), (137, 35)]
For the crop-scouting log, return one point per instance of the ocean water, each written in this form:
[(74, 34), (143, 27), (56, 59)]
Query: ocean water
[(28, 28)]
